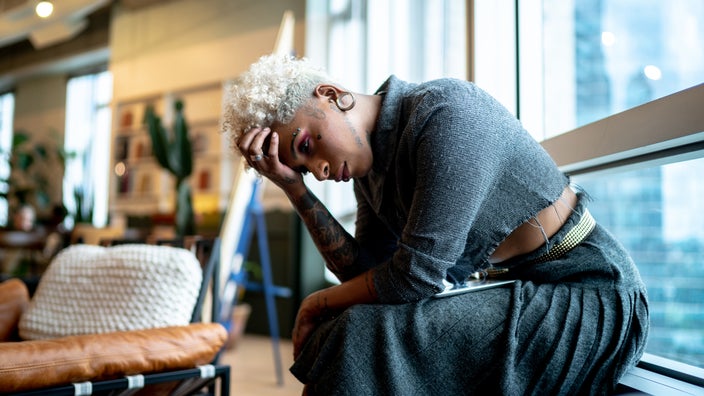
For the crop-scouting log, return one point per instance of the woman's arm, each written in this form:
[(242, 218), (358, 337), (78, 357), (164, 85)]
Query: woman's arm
[(327, 303), (338, 248), (340, 251)]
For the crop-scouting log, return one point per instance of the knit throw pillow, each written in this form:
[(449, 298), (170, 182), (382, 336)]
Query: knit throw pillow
[(93, 289)]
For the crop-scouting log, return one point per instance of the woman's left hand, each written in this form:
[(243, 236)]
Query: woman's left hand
[(326, 303), (307, 321)]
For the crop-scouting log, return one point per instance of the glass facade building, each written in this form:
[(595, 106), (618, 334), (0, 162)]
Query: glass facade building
[(624, 53)]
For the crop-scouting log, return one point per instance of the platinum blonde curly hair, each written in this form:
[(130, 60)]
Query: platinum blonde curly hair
[(271, 91)]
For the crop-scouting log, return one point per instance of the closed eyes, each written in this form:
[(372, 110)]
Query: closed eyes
[(304, 146)]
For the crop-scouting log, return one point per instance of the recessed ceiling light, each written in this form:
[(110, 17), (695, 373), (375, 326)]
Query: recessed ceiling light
[(44, 9)]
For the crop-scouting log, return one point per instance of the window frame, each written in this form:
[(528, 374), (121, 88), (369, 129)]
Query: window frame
[(668, 129)]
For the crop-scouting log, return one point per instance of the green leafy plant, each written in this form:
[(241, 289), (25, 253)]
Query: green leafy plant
[(34, 167), (174, 153)]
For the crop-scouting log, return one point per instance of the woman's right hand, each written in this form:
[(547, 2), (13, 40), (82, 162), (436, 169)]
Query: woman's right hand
[(253, 144)]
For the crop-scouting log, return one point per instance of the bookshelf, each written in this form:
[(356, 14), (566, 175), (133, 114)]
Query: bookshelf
[(139, 186)]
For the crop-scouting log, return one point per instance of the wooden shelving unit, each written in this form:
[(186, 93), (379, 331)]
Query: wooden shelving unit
[(139, 186)]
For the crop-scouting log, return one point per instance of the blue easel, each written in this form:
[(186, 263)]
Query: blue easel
[(254, 220)]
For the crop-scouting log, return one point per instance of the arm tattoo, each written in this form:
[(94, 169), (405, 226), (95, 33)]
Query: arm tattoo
[(339, 249), (323, 307)]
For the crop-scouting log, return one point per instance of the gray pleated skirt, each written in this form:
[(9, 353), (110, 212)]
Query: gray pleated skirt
[(569, 326)]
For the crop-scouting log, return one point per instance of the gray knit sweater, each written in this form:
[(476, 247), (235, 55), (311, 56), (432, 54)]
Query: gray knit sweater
[(453, 174)]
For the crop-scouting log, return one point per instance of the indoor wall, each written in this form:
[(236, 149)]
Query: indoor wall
[(181, 44), (40, 112)]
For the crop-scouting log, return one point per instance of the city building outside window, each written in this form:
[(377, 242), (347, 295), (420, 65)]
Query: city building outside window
[(657, 212), (583, 60)]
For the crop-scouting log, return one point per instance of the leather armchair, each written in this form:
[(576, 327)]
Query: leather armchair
[(72, 360)]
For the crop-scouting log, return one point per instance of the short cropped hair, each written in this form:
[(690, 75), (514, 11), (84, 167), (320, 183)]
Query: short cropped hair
[(271, 91)]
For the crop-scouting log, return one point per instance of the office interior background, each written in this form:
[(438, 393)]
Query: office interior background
[(618, 74)]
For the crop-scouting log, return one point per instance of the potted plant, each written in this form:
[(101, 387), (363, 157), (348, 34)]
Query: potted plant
[(33, 171), (172, 149)]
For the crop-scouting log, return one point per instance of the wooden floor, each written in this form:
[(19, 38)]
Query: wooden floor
[(252, 368)]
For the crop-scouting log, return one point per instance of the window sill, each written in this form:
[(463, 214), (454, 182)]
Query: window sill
[(639, 380), (660, 376)]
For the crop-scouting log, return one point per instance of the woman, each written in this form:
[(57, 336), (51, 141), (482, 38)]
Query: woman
[(448, 184)]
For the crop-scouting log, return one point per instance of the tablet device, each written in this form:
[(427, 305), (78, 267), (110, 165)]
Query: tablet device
[(471, 285)]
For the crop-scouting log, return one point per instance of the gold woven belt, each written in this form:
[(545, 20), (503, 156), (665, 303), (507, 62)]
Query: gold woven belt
[(573, 238)]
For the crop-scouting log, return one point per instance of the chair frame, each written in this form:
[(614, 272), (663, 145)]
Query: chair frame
[(195, 380)]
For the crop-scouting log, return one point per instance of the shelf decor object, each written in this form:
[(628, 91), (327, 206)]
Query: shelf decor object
[(174, 153)]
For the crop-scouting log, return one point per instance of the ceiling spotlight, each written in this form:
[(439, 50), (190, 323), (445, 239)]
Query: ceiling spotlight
[(44, 9)]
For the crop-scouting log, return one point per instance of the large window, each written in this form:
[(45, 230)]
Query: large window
[(7, 106), (88, 119), (566, 63), (614, 86), (583, 60), (362, 42), (591, 68), (657, 211)]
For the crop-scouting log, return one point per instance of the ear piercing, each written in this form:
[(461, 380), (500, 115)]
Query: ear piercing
[(339, 101), (319, 137)]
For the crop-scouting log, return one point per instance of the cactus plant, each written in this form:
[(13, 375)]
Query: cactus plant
[(173, 151)]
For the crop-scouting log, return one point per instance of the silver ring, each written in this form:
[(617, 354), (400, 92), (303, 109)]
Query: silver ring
[(258, 157)]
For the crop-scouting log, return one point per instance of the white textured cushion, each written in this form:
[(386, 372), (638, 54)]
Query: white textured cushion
[(94, 289)]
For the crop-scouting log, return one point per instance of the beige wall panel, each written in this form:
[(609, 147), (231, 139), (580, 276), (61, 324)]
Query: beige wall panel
[(182, 44)]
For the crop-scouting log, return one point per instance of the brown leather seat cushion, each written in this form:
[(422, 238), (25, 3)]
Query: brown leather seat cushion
[(37, 364), (14, 299)]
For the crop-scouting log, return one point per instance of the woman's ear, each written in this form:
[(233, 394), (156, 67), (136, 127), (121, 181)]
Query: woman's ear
[(344, 100), (327, 91)]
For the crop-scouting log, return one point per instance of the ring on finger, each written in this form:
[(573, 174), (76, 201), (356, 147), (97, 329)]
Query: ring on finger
[(258, 157)]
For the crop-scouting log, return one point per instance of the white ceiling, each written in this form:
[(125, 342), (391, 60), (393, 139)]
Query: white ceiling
[(18, 21)]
